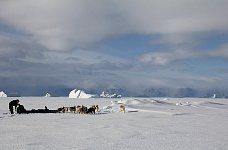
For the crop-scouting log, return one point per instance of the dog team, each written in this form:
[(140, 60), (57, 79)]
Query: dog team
[(80, 109), (84, 110)]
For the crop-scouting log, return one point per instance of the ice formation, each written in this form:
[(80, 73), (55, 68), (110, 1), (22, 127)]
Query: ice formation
[(2, 94), (107, 95), (79, 94), (47, 95)]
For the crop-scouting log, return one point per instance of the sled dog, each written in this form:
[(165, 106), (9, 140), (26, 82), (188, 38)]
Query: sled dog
[(122, 108), (72, 109)]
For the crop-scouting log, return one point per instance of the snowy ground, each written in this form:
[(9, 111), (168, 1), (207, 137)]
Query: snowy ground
[(148, 124)]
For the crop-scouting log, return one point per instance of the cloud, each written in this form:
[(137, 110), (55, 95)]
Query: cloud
[(221, 52), (58, 41), (62, 25), (23, 64), (15, 47), (169, 56)]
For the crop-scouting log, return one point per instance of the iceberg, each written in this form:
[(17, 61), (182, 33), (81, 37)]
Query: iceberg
[(2, 94), (214, 96), (47, 95), (79, 94)]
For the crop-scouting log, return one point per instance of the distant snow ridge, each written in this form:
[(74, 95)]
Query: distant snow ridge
[(79, 94), (2, 94), (107, 95), (47, 95)]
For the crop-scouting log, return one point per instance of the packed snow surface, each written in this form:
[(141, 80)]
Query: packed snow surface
[(148, 124)]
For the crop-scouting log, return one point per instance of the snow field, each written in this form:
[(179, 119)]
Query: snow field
[(149, 123)]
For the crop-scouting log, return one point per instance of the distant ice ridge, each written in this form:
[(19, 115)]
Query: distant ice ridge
[(2, 94), (47, 95), (107, 95), (79, 94), (82, 94)]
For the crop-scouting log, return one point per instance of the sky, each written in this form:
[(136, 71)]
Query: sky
[(54, 45)]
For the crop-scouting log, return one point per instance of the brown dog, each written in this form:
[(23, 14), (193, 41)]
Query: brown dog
[(82, 109), (72, 109), (78, 109), (122, 108)]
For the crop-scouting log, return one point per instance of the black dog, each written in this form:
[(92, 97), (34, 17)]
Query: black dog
[(91, 110)]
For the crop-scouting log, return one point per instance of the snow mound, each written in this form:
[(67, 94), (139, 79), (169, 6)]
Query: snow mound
[(79, 94), (142, 105), (183, 104), (146, 102), (2, 94), (206, 103)]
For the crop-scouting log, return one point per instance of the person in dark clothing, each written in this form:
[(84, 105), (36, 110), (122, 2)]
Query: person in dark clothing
[(12, 104)]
